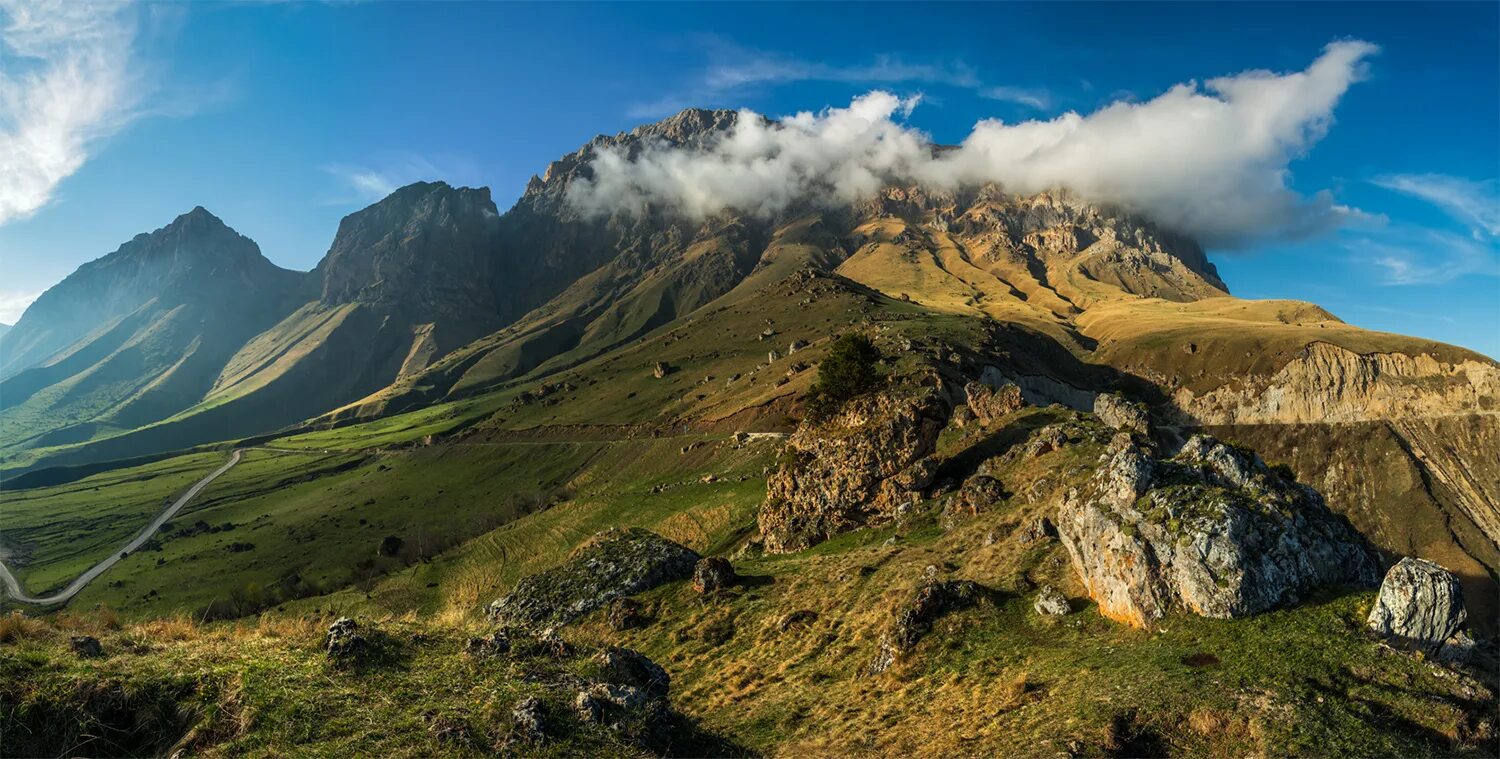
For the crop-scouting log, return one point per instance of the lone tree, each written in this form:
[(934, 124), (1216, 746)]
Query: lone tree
[(849, 369)]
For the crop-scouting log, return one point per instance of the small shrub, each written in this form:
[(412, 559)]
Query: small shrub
[(850, 369)]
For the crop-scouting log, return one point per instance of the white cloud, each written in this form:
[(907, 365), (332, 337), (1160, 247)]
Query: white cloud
[(67, 79), (13, 304), (1476, 204), (1211, 161)]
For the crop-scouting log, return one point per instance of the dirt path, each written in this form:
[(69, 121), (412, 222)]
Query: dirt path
[(13, 588)]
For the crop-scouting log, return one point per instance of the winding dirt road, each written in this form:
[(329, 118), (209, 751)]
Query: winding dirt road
[(13, 588)]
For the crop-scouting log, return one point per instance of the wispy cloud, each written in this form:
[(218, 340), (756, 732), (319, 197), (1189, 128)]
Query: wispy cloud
[(1419, 256), (1474, 203), (13, 304), (68, 78), (734, 68)]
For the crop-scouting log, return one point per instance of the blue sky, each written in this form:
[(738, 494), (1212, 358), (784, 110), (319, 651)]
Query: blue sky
[(283, 117)]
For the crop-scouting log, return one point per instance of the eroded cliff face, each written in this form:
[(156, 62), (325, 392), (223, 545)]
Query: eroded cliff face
[(1328, 383)]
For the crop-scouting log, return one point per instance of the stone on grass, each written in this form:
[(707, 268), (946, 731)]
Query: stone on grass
[(1050, 602), (713, 573), (86, 647), (614, 564), (1420, 604)]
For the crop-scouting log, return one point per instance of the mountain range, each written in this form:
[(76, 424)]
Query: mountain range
[(456, 400)]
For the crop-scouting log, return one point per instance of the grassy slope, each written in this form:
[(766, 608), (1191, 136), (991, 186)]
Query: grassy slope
[(996, 679), (53, 534)]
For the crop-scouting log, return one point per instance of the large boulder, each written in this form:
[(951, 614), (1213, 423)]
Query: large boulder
[(1420, 604), (1121, 414), (1213, 531), (862, 465), (712, 574), (613, 564)]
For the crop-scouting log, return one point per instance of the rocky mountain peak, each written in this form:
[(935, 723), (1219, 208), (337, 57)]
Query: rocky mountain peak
[(427, 241)]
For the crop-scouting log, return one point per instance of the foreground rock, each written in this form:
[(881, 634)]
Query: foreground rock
[(1213, 531), (344, 643), (86, 647), (1421, 605), (858, 467), (613, 564), (1051, 603)]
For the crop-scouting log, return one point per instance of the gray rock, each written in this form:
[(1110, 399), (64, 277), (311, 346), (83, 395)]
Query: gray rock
[(1050, 602), (86, 647), (343, 642), (528, 721), (623, 666), (1420, 604), (1458, 649), (613, 564), (1147, 535), (1121, 414), (625, 614)]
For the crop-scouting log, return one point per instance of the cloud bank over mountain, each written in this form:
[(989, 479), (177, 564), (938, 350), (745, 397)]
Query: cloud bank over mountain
[(1211, 160)]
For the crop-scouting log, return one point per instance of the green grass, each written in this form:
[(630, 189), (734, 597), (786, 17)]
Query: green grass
[(53, 534)]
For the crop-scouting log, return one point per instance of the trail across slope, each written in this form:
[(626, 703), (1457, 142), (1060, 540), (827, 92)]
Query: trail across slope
[(13, 588)]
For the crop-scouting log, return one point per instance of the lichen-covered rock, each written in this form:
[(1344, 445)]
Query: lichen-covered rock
[(1420, 604), (913, 619), (343, 643), (528, 721), (1051, 602), (623, 666), (1213, 531), (989, 405), (86, 647), (713, 573), (613, 564), (1121, 414), (855, 468)]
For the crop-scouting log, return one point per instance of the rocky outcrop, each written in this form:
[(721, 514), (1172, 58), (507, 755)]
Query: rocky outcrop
[(86, 647), (1329, 383), (855, 468), (1213, 531), (622, 666), (614, 563), (1121, 414), (344, 644), (989, 405), (1420, 604)]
